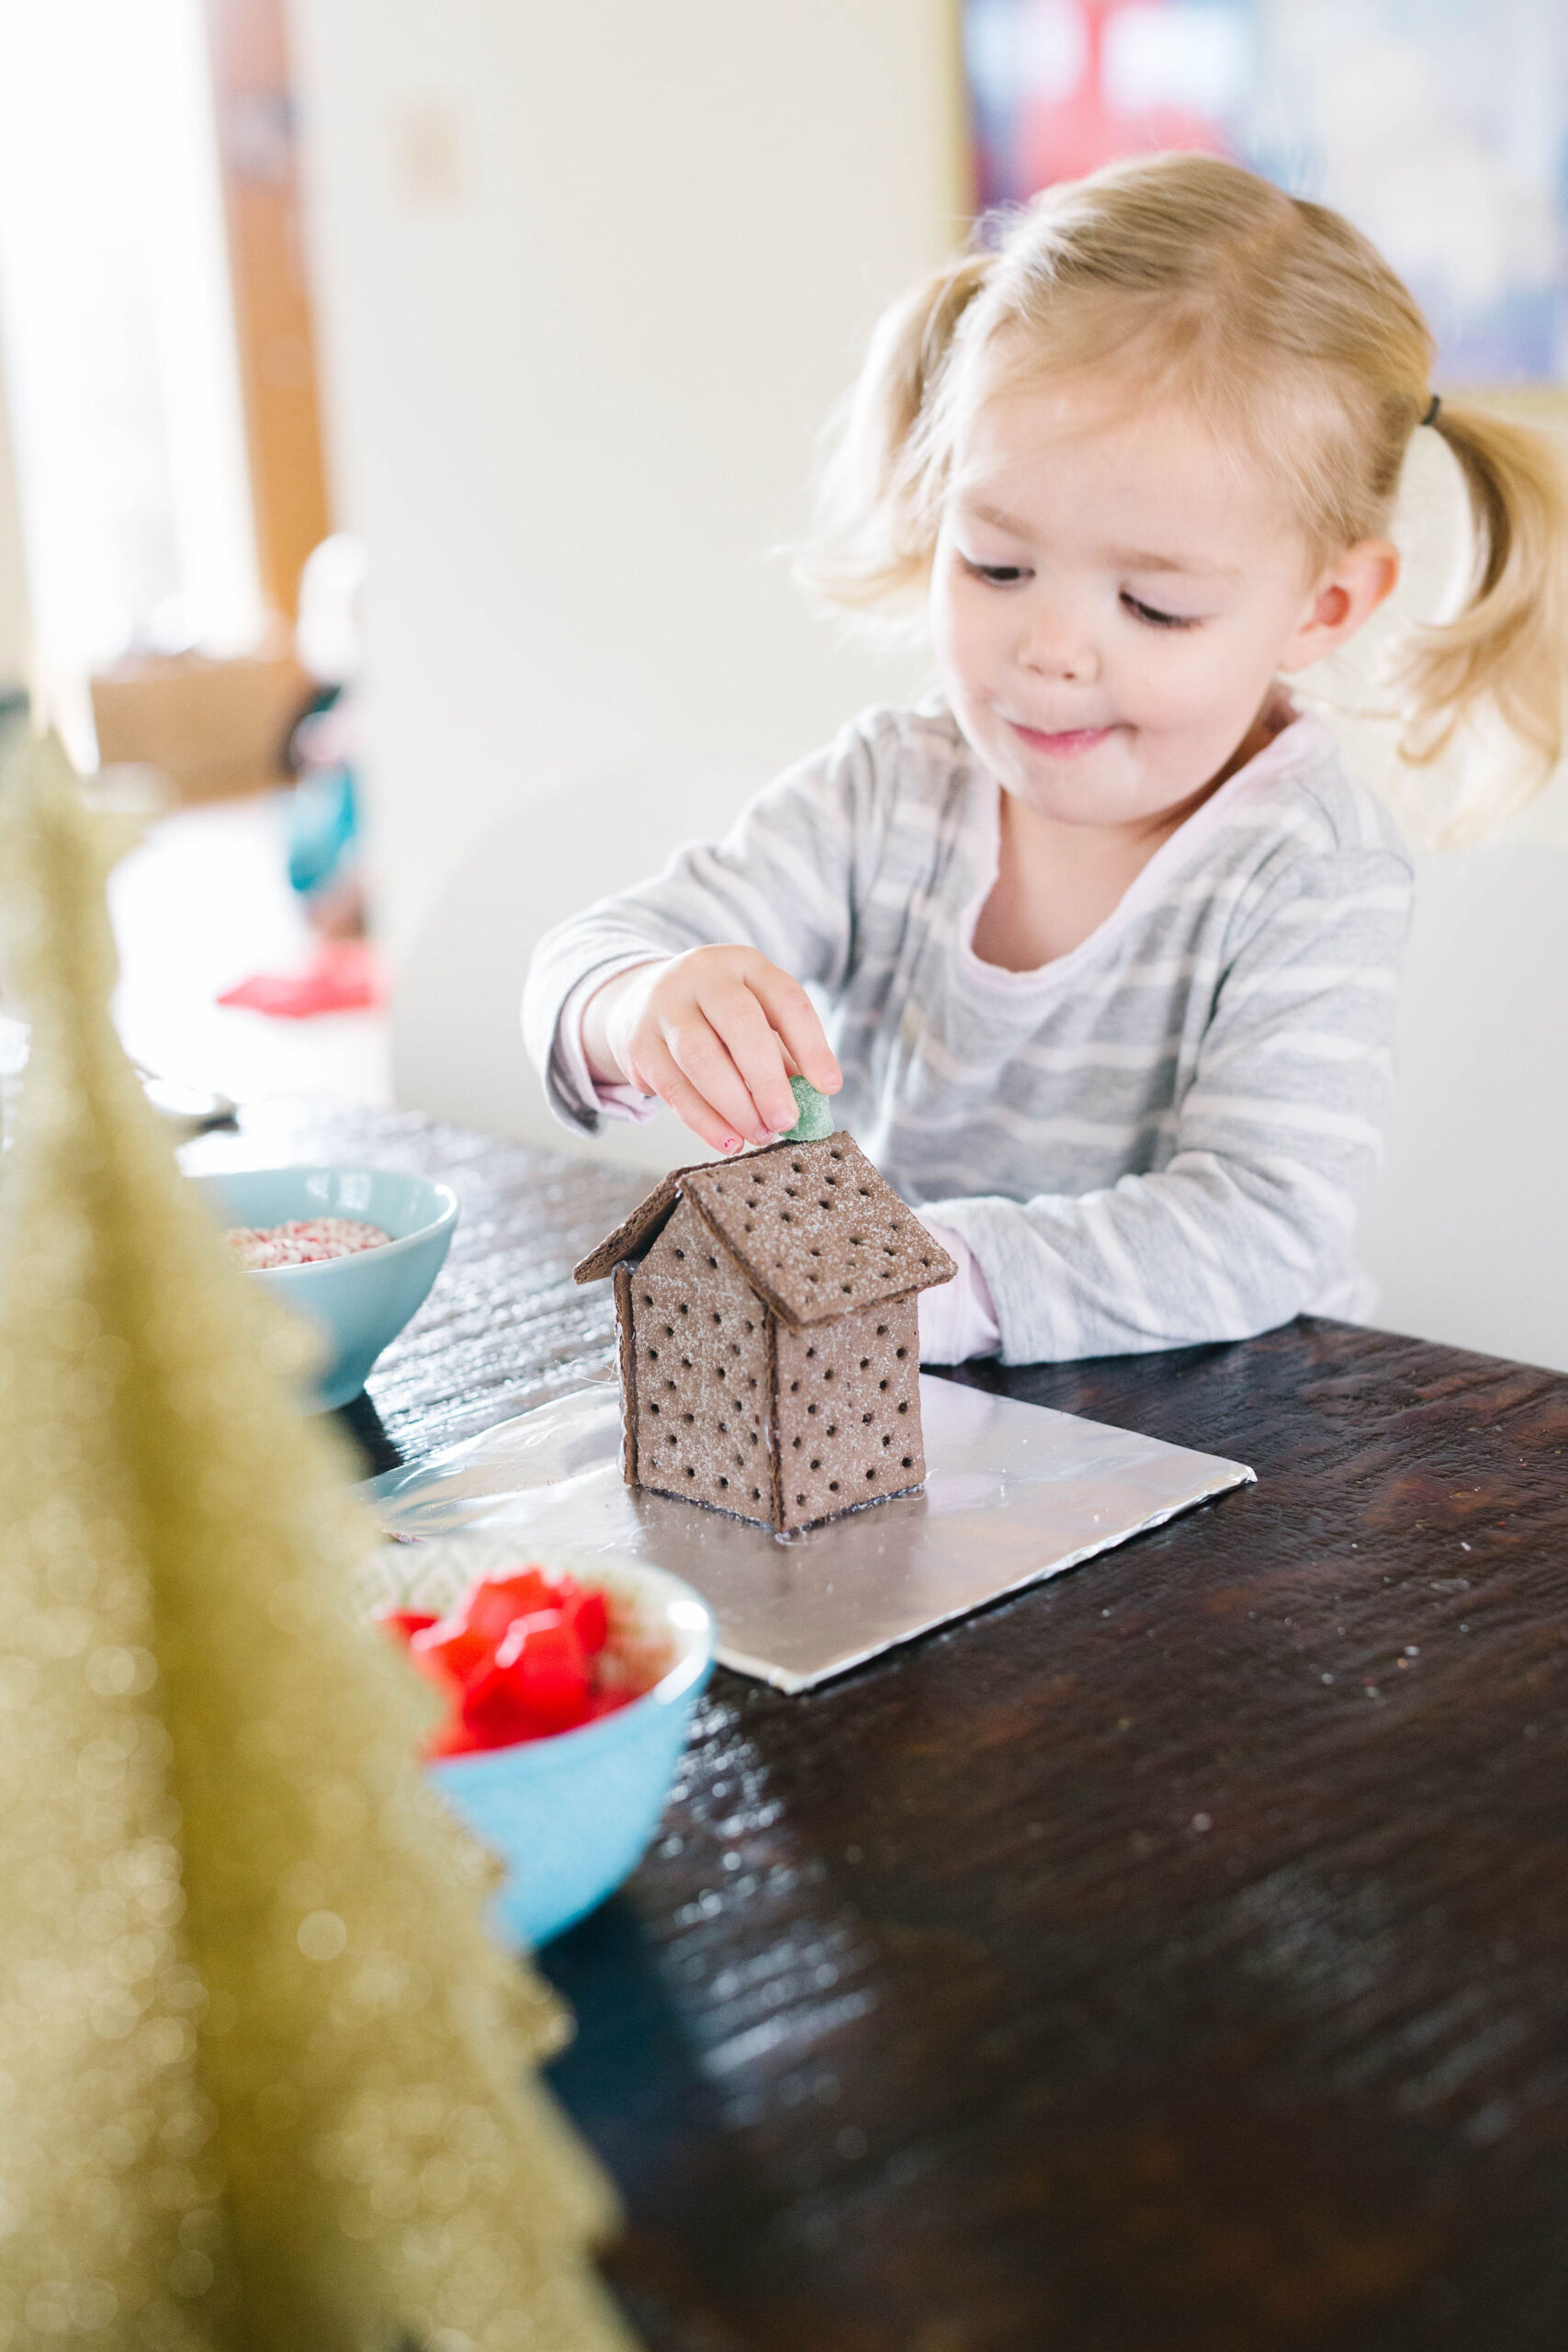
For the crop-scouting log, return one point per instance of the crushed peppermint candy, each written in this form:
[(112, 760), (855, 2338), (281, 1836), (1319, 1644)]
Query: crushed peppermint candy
[(304, 1242)]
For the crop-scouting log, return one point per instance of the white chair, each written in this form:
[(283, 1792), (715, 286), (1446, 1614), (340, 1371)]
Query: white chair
[(1466, 1236), (456, 1040)]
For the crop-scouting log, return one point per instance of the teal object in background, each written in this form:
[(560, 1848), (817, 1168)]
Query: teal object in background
[(570, 1815), (359, 1304)]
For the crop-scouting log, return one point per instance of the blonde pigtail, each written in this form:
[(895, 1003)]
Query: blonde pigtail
[(1508, 647), (876, 497)]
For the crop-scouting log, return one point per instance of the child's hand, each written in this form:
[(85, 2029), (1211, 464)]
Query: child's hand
[(714, 1033)]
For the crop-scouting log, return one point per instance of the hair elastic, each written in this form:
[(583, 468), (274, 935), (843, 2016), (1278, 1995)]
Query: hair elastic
[(1431, 415)]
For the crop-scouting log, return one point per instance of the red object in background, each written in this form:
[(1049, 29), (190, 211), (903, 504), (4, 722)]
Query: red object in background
[(1067, 139), (516, 1661), (1045, 100), (346, 976)]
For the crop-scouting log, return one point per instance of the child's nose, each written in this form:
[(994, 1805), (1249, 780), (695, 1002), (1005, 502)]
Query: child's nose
[(1055, 645)]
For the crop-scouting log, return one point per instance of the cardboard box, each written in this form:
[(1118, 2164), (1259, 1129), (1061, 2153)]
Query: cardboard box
[(214, 728)]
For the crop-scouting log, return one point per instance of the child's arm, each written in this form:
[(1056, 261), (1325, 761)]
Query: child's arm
[(1251, 1220), (958, 1319), (701, 966)]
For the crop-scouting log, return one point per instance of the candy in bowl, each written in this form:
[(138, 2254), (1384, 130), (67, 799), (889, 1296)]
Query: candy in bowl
[(358, 1301), (568, 1811)]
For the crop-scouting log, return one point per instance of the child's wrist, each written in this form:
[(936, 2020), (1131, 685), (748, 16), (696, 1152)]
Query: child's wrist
[(604, 1047)]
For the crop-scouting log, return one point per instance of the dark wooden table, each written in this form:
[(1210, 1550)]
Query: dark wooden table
[(1174, 1956)]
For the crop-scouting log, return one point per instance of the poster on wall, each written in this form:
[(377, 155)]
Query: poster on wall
[(1440, 127)]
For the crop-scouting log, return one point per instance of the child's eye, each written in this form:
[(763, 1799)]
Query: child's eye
[(1155, 618), (995, 575)]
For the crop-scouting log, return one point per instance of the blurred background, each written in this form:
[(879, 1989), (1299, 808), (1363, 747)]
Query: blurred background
[(402, 409)]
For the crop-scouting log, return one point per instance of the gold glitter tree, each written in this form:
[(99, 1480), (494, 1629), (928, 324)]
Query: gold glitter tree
[(264, 2082)]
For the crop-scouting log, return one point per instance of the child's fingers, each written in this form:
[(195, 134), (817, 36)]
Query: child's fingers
[(738, 1018), (701, 1051), (791, 1013), (658, 1071)]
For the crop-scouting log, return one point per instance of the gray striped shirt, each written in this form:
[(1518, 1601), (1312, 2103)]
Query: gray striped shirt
[(1162, 1138)]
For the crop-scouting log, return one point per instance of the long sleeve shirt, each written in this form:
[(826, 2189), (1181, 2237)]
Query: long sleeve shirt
[(1161, 1137)]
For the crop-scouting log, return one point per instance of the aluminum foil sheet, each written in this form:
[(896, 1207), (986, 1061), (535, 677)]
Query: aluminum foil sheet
[(1013, 1493)]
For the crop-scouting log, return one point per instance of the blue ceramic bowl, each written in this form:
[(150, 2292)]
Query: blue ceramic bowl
[(359, 1303), (570, 1815)]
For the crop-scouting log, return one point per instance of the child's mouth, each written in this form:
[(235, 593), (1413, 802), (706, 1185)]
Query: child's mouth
[(1066, 744)]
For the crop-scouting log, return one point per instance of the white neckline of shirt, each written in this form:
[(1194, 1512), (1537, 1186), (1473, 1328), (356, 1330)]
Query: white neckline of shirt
[(1297, 738)]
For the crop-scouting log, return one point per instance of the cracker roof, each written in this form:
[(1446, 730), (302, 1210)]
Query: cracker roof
[(815, 1229)]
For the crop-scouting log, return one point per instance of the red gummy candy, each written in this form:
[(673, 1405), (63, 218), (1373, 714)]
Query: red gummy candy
[(535, 1591), (406, 1623), (587, 1615), (515, 1724), (463, 1644), (538, 1684), (514, 1659), (491, 1606), (550, 1674), (449, 1653)]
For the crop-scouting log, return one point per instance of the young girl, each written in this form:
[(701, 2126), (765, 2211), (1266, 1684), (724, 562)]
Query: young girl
[(1108, 937)]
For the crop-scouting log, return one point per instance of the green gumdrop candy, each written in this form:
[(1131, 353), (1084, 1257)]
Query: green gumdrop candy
[(815, 1118)]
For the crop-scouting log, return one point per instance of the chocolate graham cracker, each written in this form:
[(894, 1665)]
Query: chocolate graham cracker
[(817, 1230), (848, 1411), (700, 1407), (769, 1325)]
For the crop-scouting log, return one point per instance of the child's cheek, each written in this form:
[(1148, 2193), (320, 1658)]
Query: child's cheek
[(1183, 685), (985, 635), (959, 646)]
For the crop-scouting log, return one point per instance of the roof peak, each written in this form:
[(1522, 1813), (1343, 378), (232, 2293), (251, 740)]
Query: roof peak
[(814, 1227)]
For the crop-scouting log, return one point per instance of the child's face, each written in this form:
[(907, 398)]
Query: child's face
[(1112, 598)]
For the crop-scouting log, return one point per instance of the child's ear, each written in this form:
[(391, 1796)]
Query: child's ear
[(1344, 596)]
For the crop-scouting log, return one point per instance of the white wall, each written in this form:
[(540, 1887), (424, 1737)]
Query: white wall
[(1466, 1235), (15, 648), (587, 278)]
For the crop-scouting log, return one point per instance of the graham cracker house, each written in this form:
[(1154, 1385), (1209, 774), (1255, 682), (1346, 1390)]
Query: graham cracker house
[(768, 1309)]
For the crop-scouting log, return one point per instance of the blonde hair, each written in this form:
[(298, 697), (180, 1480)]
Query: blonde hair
[(1275, 320)]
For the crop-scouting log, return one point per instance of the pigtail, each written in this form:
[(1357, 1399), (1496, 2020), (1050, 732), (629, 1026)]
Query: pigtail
[(879, 488), (1509, 648)]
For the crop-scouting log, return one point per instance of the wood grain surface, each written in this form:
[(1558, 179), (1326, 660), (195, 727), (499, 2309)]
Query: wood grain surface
[(1174, 1956)]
